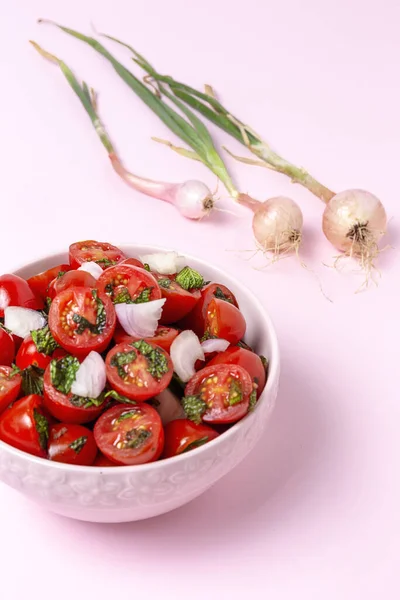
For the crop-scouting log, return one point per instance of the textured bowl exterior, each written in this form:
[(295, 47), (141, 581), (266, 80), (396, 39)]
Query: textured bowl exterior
[(120, 494)]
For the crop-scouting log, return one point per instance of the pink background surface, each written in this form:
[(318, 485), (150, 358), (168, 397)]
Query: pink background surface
[(314, 511)]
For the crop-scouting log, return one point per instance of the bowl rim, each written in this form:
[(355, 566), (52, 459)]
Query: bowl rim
[(273, 375)]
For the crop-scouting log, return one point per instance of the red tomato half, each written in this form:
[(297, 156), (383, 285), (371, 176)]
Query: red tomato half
[(15, 291), (7, 347), (225, 321), (82, 320), (179, 302), (28, 355), (39, 283), (196, 320), (126, 282), (139, 373), (70, 279), (133, 261), (72, 444), (247, 359), (130, 436), (102, 253), (182, 435), (163, 337), (9, 387), (25, 426), (67, 407), (225, 390)]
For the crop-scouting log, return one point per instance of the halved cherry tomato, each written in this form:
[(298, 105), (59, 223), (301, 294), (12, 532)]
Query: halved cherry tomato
[(28, 355), (72, 444), (163, 337), (247, 359), (139, 370), (103, 461), (225, 321), (179, 302), (67, 407), (124, 283), (133, 261), (39, 283), (130, 435), (10, 386), (7, 347), (25, 425), (102, 253), (82, 320), (73, 278), (15, 291), (182, 435), (221, 393), (196, 320)]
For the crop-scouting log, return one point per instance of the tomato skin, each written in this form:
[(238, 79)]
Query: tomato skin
[(181, 433), (112, 429), (247, 359), (90, 250), (60, 407), (18, 427), (133, 261), (225, 321), (128, 277), (149, 385), (70, 279), (15, 291), (215, 393), (196, 319), (28, 355), (178, 301), (39, 283), (80, 344), (163, 337), (103, 461), (9, 388), (7, 348), (62, 435)]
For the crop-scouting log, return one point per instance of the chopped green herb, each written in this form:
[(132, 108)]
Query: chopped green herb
[(63, 372), (109, 289), (123, 296), (14, 371), (32, 380), (144, 296), (146, 266), (105, 262), (243, 344), (48, 303), (189, 279), (78, 444), (83, 323), (83, 402), (136, 437), (195, 444), (129, 414), (253, 400), (44, 341), (42, 427), (60, 274), (221, 296), (121, 359), (119, 397), (164, 283), (194, 408), (2, 326), (208, 336), (156, 360), (235, 393), (265, 362)]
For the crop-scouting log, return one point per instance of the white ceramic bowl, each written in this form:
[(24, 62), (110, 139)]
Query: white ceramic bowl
[(117, 494)]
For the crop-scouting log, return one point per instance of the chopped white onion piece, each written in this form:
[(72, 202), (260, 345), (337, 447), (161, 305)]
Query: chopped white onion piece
[(91, 267), (140, 320), (185, 350), (165, 263), (214, 345), (90, 378), (21, 321), (169, 408)]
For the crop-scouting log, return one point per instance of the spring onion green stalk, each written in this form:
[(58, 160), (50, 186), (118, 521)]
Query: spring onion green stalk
[(193, 198), (191, 130)]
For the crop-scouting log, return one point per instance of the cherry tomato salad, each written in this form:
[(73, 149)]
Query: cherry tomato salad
[(114, 360)]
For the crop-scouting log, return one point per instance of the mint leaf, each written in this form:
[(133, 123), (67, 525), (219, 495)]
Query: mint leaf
[(144, 296), (253, 400), (63, 373), (194, 407), (32, 380), (119, 397), (220, 294), (195, 444), (44, 341), (78, 444), (147, 267), (123, 296), (235, 393), (83, 323), (156, 360), (105, 262), (164, 283), (136, 437), (84, 402), (129, 414), (42, 427), (121, 359), (189, 279)]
